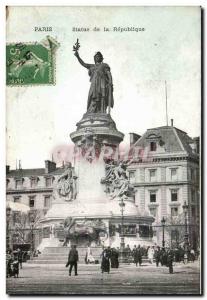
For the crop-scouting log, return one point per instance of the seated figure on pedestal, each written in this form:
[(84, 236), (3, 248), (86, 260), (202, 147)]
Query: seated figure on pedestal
[(117, 181), (66, 183)]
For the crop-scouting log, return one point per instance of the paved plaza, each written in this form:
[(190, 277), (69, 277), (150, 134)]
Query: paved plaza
[(128, 279)]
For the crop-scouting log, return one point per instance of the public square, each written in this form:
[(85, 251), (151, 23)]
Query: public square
[(125, 189), (127, 279)]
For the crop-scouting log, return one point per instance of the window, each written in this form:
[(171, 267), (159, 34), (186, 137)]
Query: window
[(174, 195), (132, 177), (18, 183), (174, 211), (17, 199), (153, 196), (33, 182), (152, 175), (128, 230), (31, 201), (193, 195), (47, 201), (48, 181), (153, 146), (173, 174), (145, 231)]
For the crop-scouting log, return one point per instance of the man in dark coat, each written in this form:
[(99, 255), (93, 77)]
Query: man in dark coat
[(114, 258), (105, 260), (73, 260), (157, 256), (163, 257), (170, 258), (20, 254), (137, 255)]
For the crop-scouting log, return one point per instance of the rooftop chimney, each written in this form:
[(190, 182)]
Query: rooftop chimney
[(171, 122), (133, 138), (7, 169), (50, 166)]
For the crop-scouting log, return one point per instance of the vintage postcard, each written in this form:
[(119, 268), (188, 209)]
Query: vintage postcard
[(103, 120)]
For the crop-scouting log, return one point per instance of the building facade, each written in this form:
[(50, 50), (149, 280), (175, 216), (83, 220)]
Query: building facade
[(164, 171)]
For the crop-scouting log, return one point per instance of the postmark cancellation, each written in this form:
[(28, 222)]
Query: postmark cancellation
[(31, 63)]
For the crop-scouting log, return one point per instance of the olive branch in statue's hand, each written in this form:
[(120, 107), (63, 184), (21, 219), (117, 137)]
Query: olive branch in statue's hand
[(76, 48)]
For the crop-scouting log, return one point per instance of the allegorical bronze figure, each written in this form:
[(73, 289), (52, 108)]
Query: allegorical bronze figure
[(101, 90)]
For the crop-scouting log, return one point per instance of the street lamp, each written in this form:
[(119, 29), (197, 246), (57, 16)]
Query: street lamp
[(163, 232), (185, 210), (32, 232), (122, 244)]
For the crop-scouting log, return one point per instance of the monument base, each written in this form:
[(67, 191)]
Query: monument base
[(87, 232)]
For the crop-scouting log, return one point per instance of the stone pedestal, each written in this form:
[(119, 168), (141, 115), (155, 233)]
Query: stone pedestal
[(96, 140)]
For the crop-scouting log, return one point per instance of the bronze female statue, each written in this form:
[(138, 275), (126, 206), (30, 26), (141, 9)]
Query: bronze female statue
[(101, 90)]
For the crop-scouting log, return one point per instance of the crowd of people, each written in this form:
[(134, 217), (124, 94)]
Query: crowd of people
[(15, 258), (110, 257), (14, 261), (152, 254)]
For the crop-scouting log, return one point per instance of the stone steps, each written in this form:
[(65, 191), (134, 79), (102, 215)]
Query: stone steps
[(59, 255)]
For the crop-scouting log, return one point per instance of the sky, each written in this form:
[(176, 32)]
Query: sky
[(40, 118)]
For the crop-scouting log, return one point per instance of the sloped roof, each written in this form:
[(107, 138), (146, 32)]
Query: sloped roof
[(172, 139), (33, 172)]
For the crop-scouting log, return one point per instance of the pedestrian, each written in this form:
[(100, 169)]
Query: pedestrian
[(105, 260), (157, 256), (89, 257), (170, 258), (128, 252), (20, 254), (73, 260), (114, 258), (163, 257), (192, 255), (9, 260), (137, 254), (150, 254)]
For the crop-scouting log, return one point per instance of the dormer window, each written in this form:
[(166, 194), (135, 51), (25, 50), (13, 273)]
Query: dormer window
[(18, 183), (153, 146), (48, 181), (154, 140), (33, 181)]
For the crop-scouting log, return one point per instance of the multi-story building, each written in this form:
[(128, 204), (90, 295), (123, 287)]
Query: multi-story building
[(165, 174), (164, 171), (32, 187)]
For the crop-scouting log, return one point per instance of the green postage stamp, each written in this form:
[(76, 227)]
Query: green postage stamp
[(31, 63)]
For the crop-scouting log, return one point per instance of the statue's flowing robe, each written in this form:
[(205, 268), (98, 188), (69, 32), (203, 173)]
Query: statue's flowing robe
[(100, 90)]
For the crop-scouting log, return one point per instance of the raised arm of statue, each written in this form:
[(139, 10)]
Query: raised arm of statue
[(85, 65)]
